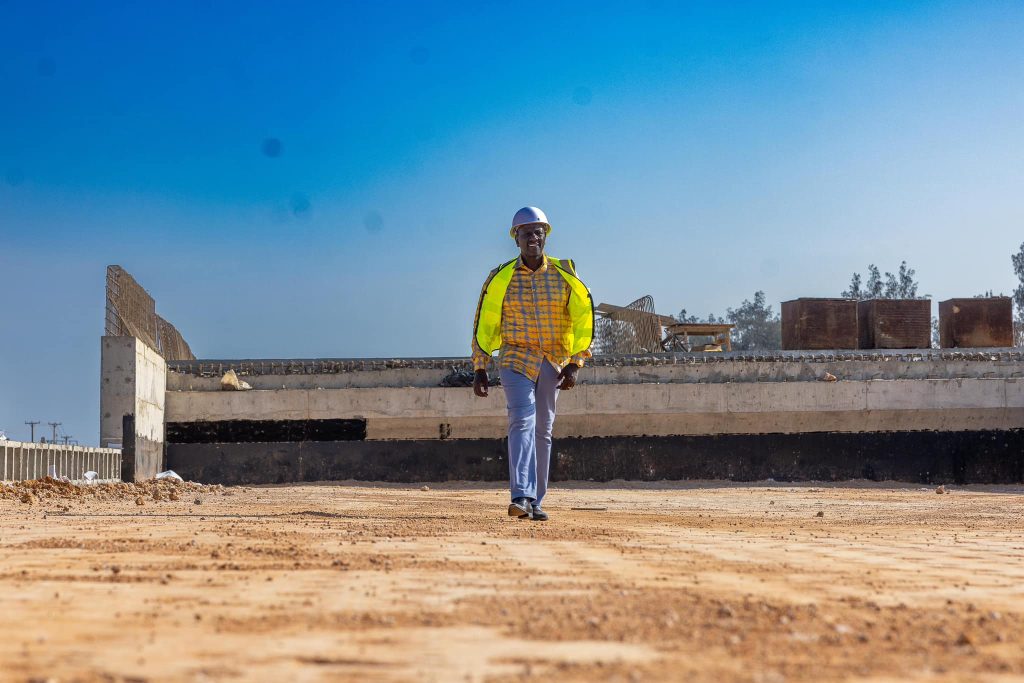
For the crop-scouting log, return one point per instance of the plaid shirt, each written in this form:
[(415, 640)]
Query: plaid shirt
[(534, 316)]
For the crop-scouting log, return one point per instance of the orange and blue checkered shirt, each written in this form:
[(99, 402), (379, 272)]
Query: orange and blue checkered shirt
[(534, 316)]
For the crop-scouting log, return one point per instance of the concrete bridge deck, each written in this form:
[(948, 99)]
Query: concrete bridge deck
[(921, 415)]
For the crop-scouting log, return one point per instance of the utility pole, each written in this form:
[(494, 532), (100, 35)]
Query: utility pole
[(32, 426), (54, 425), (66, 438)]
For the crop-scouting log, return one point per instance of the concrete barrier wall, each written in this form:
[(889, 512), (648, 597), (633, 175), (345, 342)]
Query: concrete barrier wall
[(909, 415), (21, 461), (133, 382), (638, 409), (927, 457)]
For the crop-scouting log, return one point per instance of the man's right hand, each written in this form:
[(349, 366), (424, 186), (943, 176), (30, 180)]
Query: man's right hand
[(480, 383)]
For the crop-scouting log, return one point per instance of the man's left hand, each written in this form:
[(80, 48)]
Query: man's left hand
[(568, 376)]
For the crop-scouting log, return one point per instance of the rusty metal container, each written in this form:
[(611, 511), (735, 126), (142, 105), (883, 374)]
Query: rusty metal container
[(976, 323), (895, 323), (815, 324)]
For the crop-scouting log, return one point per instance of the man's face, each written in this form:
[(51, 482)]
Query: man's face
[(530, 239)]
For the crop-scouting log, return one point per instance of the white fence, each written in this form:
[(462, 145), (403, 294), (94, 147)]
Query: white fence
[(19, 460)]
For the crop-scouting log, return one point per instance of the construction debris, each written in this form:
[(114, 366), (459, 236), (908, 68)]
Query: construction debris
[(464, 378), (634, 328), (230, 382)]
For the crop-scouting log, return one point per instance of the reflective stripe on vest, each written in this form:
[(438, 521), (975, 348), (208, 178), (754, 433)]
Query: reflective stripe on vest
[(581, 308)]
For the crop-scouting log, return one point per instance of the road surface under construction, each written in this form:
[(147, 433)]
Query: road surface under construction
[(707, 582)]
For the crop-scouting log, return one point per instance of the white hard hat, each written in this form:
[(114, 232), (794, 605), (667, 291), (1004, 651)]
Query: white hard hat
[(527, 216)]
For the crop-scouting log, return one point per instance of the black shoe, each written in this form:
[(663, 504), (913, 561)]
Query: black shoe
[(520, 507), (538, 515)]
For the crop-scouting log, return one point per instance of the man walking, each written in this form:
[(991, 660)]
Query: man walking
[(540, 315)]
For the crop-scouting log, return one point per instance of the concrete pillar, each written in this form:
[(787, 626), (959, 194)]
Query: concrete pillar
[(133, 382)]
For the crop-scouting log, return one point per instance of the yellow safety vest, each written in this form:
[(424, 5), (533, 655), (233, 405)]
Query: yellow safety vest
[(581, 307)]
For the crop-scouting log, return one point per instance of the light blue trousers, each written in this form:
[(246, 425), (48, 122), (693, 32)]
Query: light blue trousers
[(531, 415)]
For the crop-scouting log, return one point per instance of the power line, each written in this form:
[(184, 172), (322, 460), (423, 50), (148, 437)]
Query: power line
[(54, 425), (32, 424)]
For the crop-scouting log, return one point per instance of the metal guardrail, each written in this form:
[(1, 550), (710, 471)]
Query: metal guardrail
[(20, 461), (216, 368)]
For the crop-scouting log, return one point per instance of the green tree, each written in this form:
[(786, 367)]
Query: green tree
[(898, 285), (757, 326), (854, 291), (873, 290), (684, 317), (901, 285), (1018, 295)]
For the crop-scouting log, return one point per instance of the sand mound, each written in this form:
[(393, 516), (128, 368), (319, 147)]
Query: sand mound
[(48, 488)]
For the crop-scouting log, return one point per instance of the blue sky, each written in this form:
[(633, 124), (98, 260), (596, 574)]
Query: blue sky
[(697, 152)]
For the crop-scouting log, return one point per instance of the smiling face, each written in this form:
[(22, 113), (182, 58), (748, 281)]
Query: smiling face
[(531, 238)]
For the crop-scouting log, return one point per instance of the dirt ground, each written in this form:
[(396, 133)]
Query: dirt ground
[(336, 582)]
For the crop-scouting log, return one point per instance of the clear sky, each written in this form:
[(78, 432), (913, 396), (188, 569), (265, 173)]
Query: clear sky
[(335, 179)]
